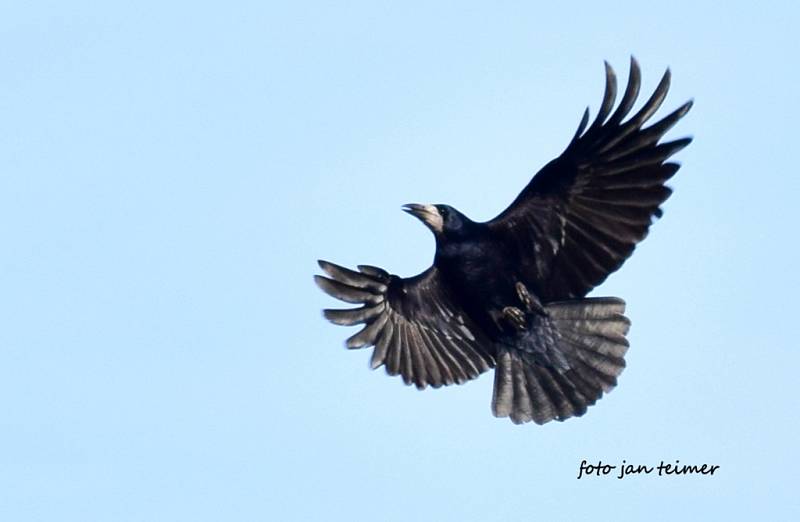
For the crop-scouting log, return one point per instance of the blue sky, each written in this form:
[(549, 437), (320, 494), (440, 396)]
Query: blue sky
[(169, 175)]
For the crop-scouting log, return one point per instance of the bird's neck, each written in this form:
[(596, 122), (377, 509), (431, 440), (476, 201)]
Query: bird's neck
[(467, 231)]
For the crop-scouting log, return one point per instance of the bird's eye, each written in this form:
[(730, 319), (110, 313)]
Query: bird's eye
[(443, 211)]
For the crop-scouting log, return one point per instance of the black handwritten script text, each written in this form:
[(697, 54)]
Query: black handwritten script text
[(625, 470)]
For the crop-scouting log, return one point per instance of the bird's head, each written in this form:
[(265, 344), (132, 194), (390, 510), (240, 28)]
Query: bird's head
[(443, 220)]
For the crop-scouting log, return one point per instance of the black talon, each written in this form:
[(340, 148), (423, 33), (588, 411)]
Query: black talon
[(531, 303), (516, 317)]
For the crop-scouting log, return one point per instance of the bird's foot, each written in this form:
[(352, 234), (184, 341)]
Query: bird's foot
[(528, 300), (515, 317)]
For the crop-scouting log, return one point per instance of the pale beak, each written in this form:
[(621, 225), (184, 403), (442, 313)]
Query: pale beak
[(428, 214)]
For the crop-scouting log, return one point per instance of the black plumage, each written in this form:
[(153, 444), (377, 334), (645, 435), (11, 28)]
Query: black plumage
[(509, 293)]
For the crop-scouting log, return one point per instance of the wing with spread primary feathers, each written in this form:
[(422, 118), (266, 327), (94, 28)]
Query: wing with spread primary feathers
[(582, 215), (417, 330)]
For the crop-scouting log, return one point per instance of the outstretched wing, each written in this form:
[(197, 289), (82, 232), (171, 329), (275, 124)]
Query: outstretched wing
[(582, 215), (416, 328)]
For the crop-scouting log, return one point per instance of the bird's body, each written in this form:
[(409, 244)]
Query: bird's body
[(510, 293), (479, 270)]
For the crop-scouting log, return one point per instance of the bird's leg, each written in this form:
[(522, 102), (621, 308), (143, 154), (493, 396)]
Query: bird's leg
[(515, 317), (530, 301)]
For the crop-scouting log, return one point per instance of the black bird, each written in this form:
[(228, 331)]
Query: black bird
[(510, 293)]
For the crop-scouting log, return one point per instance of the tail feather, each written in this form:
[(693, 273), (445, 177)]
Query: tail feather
[(543, 407), (522, 399), (563, 363)]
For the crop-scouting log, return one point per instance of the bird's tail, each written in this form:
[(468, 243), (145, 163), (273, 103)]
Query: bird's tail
[(561, 361)]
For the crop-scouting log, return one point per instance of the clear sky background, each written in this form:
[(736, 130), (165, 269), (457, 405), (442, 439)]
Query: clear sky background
[(169, 174)]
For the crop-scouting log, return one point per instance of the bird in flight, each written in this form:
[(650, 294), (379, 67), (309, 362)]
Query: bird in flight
[(510, 293)]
